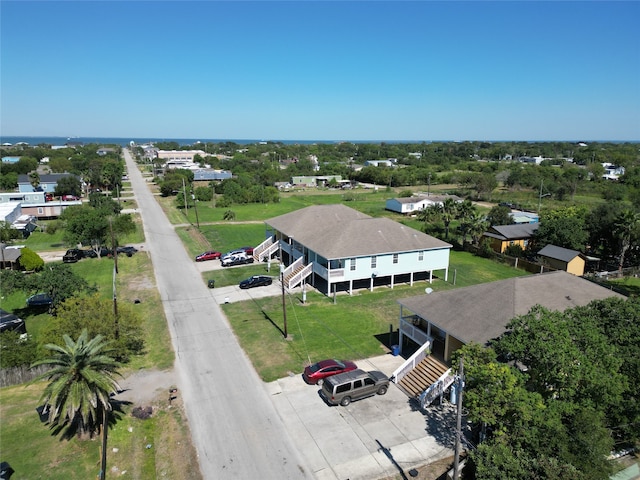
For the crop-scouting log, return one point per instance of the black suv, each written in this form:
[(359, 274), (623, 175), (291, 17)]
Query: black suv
[(72, 255)]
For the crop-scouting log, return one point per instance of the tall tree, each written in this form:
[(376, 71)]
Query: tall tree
[(500, 215), (81, 382), (627, 229)]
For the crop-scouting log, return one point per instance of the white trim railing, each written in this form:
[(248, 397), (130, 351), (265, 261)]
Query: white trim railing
[(265, 249), (414, 332), (299, 276), (437, 389), (411, 362)]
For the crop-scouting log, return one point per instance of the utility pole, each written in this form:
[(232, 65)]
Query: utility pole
[(284, 303), (113, 245), (195, 209), (186, 202), (456, 458), (540, 197)]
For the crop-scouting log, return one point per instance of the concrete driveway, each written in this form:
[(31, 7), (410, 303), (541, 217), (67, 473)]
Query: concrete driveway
[(372, 438)]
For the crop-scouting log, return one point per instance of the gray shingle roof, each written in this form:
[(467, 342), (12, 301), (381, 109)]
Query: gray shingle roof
[(559, 253), (481, 312), (516, 231), (337, 231)]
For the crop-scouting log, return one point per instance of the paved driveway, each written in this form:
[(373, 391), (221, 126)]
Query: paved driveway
[(372, 438)]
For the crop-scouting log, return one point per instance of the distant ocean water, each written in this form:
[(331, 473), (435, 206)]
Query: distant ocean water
[(180, 141), (34, 140)]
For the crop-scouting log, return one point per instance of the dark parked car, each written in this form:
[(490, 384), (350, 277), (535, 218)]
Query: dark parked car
[(10, 322), (256, 281), (326, 368), (40, 300), (128, 251), (240, 259), (72, 255), (203, 257)]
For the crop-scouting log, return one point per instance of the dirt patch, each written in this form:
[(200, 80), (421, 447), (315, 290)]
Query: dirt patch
[(143, 282), (146, 386)]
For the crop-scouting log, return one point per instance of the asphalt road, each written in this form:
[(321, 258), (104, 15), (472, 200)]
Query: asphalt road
[(234, 425)]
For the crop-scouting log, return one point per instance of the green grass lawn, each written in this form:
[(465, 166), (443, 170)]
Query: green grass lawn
[(355, 327)]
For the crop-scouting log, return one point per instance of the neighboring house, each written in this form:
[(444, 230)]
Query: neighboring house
[(10, 211), (22, 197), (47, 182), (340, 249), (179, 155), (480, 313), (537, 160), (409, 205), (47, 210), (524, 217), (10, 159), (105, 150), (9, 257), (502, 236), (378, 163), (570, 261), (612, 172), (208, 175), (314, 180), (25, 224)]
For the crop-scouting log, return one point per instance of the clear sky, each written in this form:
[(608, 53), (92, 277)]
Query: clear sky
[(326, 70)]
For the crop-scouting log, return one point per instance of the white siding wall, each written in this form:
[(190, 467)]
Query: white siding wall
[(407, 262)]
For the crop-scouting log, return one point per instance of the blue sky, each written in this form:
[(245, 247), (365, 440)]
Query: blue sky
[(305, 70)]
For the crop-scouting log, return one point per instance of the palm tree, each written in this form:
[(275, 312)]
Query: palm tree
[(476, 225), (626, 228), (448, 212), (81, 381), (464, 212)]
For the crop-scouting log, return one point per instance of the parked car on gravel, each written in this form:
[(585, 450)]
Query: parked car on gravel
[(256, 281)]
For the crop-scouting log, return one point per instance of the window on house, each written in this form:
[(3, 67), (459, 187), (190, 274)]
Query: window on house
[(353, 264), (374, 261), (395, 258), (420, 256)]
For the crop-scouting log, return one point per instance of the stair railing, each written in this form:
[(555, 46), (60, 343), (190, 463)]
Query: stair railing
[(411, 362), (437, 389)]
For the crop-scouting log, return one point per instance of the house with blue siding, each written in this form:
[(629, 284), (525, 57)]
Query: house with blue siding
[(337, 248), (47, 182)]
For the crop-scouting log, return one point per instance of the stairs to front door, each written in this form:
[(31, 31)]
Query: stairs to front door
[(425, 374)]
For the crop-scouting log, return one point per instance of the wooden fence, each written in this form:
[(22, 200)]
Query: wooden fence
[(18, 375)]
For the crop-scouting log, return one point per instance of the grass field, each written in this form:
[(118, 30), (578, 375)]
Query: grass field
[(355, 327), (27, 444)]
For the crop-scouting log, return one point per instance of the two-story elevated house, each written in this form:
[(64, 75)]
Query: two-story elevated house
[(337, 248), (437, 324)]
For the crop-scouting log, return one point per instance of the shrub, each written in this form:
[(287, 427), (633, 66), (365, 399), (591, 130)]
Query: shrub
[(16, 351), (30, 260)]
